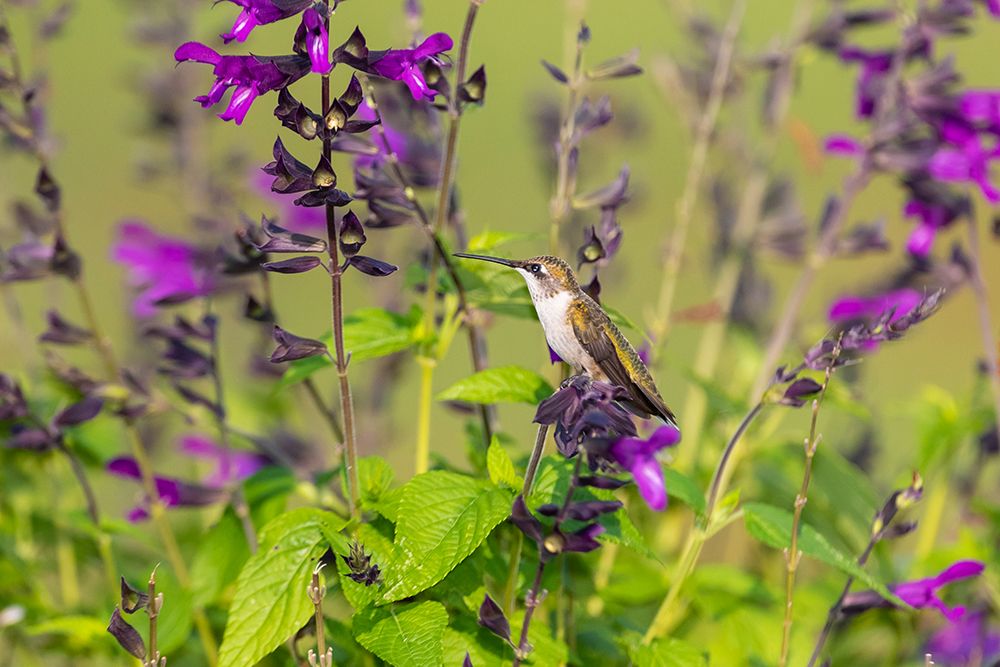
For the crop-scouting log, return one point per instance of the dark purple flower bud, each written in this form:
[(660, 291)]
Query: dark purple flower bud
[(281, 240), (525, 521), (251, 76), (352, 235), (28, 261), (32, 439), (799, 391), (196, 398), (467, 662), (591, 251), (316, 41), (638, 456), (362, 570), (12, 403), (583, 540), (371, 266), (184, 361), (257, 311), (602, 482), (492, 618), (132, 599), (473, 91), (612, 194), (293, 265), (292, 347), (555, 72), (78, 413), (864, 238), (323, 176), (875, 66), (65, 261), (616, 68), (48, 190), (331, 196), (404, 64), (63, 332), (590, 116), (126, 636), (290, 174), (582, 511)]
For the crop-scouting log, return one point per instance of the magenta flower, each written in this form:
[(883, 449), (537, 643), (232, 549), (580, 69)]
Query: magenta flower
[(251, 76), (172, 492), (923, 592), (638, 456), (395, 141), (230, 465), (260, 12), (404, 64), (317, 43), (965, 642), (165, 269), (843, 145), (964, 158), (875, 65), (848, 308)]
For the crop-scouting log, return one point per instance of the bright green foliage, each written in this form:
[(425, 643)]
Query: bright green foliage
[(443, 517), (406, 635), (685, 489), (270, 602), (500, 467), (220, 556), (505, 384), (667, 652)]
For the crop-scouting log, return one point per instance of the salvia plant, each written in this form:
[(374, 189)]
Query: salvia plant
[(223, 480)]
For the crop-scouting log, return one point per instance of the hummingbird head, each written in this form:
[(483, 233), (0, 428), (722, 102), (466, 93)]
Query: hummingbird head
[(545, 275)]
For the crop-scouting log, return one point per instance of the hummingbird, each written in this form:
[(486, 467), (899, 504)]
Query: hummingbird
[(582, 334)]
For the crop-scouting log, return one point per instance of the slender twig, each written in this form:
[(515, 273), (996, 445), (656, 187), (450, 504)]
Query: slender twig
[(792, 553), (329, 416), (153, 608), (985, 321), (536, 456), (337, 308), (562, 198), (692, 182), (322, 656)]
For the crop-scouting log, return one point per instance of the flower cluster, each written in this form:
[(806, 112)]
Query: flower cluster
[(924, 125)]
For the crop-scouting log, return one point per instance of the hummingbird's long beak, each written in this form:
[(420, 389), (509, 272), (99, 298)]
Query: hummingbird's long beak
[(486, 258)]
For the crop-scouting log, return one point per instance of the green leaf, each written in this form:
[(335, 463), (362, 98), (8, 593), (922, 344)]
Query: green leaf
[(221, 553), (382, 552), (375, 476), (369, 333), (500, 467), (685, 489), (667, 652), (75, 632), (443, 517), (271, 603), (407, 635), (504, 384), (175, 620), (773, 526), (490, 240)]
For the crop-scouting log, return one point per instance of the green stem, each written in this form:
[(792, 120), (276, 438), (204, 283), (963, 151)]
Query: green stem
[(536, 457), (423, 448)]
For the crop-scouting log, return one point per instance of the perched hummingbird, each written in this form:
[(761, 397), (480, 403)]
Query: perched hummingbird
[(580, 332)]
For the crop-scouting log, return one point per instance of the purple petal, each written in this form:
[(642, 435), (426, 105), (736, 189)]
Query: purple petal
[(242, 27), (197, 52), (239, 104), (921, 240), (963, 569), (437, 43), (842, 144), (553, 357)]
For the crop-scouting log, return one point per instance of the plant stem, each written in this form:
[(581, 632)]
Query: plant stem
[(531, 603), (792, 553), (423, 449), (562, 198), (985, 322), (329, 416), (536, 457), (337, 308), (700, 533), (692, 182), (477, 346), (831, 617)]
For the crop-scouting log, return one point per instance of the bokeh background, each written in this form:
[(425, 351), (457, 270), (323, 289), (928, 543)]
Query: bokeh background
[(99, 117)]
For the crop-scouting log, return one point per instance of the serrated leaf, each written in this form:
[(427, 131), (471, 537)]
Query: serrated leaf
[(369, 333), (685, 489), (668, 652), (443, 517), (407, 635), (500, 467), (773, 526), (270, 604), (504, 384), (382, 552), (375, 476)]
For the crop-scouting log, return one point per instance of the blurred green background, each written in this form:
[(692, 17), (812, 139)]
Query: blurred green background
[(98, 117)]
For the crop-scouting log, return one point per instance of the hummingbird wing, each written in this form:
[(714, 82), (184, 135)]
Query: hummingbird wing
[(615, 356)]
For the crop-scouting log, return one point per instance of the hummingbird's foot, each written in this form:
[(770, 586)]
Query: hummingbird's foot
[(573, 378)]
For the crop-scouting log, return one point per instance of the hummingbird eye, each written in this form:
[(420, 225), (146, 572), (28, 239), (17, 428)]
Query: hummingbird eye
[(535, 268)]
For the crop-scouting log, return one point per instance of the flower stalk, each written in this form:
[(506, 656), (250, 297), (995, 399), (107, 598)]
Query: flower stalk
[(985, 321), (321, 656)]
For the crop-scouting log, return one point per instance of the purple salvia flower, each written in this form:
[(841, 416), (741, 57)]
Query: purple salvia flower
[(964, 643), (964, 158), (583, 409), (638, 456), (395, 141), (901, 302), (230, 465), (844, 145), (251, 76), (923, 592), (172, 492), (404, 64), (317, 43), (875, 65), (167, 270), (260, 12)]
